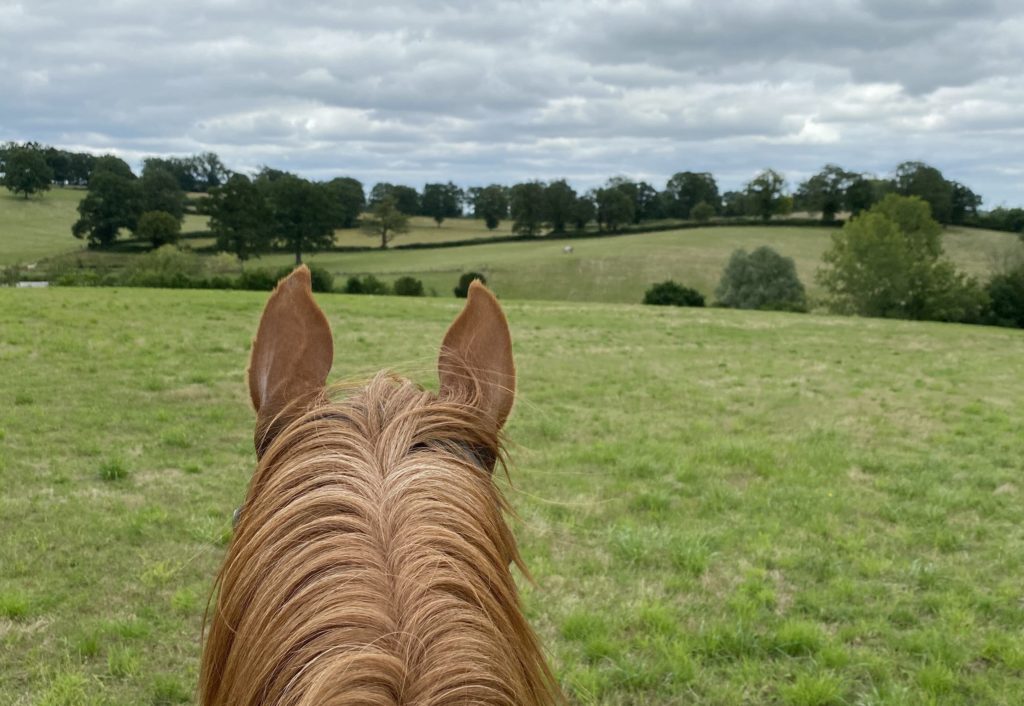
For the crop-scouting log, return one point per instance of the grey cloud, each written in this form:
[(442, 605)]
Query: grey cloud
[(498, 91)]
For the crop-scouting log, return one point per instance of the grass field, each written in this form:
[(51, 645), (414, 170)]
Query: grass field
[(615, 269), (620, 269), (719, 507)]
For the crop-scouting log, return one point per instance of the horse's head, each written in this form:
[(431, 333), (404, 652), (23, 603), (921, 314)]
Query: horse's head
[(371, 559)]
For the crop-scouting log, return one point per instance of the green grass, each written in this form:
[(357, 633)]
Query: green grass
[(615, 269), (718, 507), (39, 227), (620, 269)]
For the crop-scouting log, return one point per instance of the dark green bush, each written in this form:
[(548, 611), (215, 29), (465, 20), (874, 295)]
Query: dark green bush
[(762, 279), (671, 293), (1006, 298), (702, 212), (462, 288), (367, 284), (408, 287), (259, 280)]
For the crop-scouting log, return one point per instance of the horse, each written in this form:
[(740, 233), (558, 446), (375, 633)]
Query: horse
[(371, 562)]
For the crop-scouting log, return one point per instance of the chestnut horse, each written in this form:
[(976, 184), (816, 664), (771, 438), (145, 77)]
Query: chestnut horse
[(371, 561)]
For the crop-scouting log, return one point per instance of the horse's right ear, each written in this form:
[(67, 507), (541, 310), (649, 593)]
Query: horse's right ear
[(291, 357)]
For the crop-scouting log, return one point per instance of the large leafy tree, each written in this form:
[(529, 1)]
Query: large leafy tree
[(644, 197), (386, 221), (440, 201), (26, 171), (160, 191), (825, 192), (559, 199), (687, 189), (490, 203), (113, 202), (348, 199), (584, 210), (964, 204), (526, 204), (406, 198), (302, 214), (926, 182), (766, 194), (240, 217), (614, 207), (888, 262)]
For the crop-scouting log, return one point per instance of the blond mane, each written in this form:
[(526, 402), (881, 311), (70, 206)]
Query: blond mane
[(371, 565)]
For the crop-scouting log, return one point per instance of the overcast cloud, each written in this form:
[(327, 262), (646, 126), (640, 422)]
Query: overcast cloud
[(482, 92)]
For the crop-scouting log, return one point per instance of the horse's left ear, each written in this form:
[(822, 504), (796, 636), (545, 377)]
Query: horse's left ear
[(476, 356), (291, 357)]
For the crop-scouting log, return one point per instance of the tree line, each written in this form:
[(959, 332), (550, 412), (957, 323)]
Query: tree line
[(278, 209)]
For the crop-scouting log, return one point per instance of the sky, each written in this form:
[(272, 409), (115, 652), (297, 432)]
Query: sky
[(481, 92)]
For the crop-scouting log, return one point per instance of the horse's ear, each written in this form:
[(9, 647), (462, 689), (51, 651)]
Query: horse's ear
[(291, 357), (476, 356)]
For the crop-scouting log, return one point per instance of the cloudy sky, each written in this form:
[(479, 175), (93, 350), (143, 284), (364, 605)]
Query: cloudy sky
[(482, 91)]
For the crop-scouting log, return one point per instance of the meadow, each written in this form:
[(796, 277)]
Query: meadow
[(610, 269), (718, 507)]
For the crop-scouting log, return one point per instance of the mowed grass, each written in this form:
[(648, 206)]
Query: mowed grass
[(718, 507)]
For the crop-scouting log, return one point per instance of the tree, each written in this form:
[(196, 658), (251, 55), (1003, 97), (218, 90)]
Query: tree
[(889, 262), (642, 195), (26, 171), (406, 199), (702, 212), (825, 192), (687, 189), (160, 191), (762, 279), (765, 194), (919, 179), (559, 199), (964, 204), (302, 214), (462, 288), (348, 200), (584, 210), (240, 217), (614, 207), (158, 227), (490, 204), (386, 221), (108, 163), (526, 202), (441, 201), (112, 202)]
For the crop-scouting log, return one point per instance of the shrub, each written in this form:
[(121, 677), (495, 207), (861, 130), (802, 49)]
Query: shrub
[(702, 212), (670, 293), (367, 284), (408, 287), (462, 288), (259, 280), (167, 266), (158, 227), (1006, 295), (763, 279)]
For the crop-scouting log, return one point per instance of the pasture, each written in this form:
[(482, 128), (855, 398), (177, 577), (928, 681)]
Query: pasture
[(718, 507)]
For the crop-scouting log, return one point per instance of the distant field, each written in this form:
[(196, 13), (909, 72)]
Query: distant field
[(40, 227), (619, 269), (718, 507)]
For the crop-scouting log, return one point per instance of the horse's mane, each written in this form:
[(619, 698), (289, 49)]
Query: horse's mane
[(371, 565)]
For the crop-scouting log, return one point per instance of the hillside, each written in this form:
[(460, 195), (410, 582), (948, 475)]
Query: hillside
[(718, 507)]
